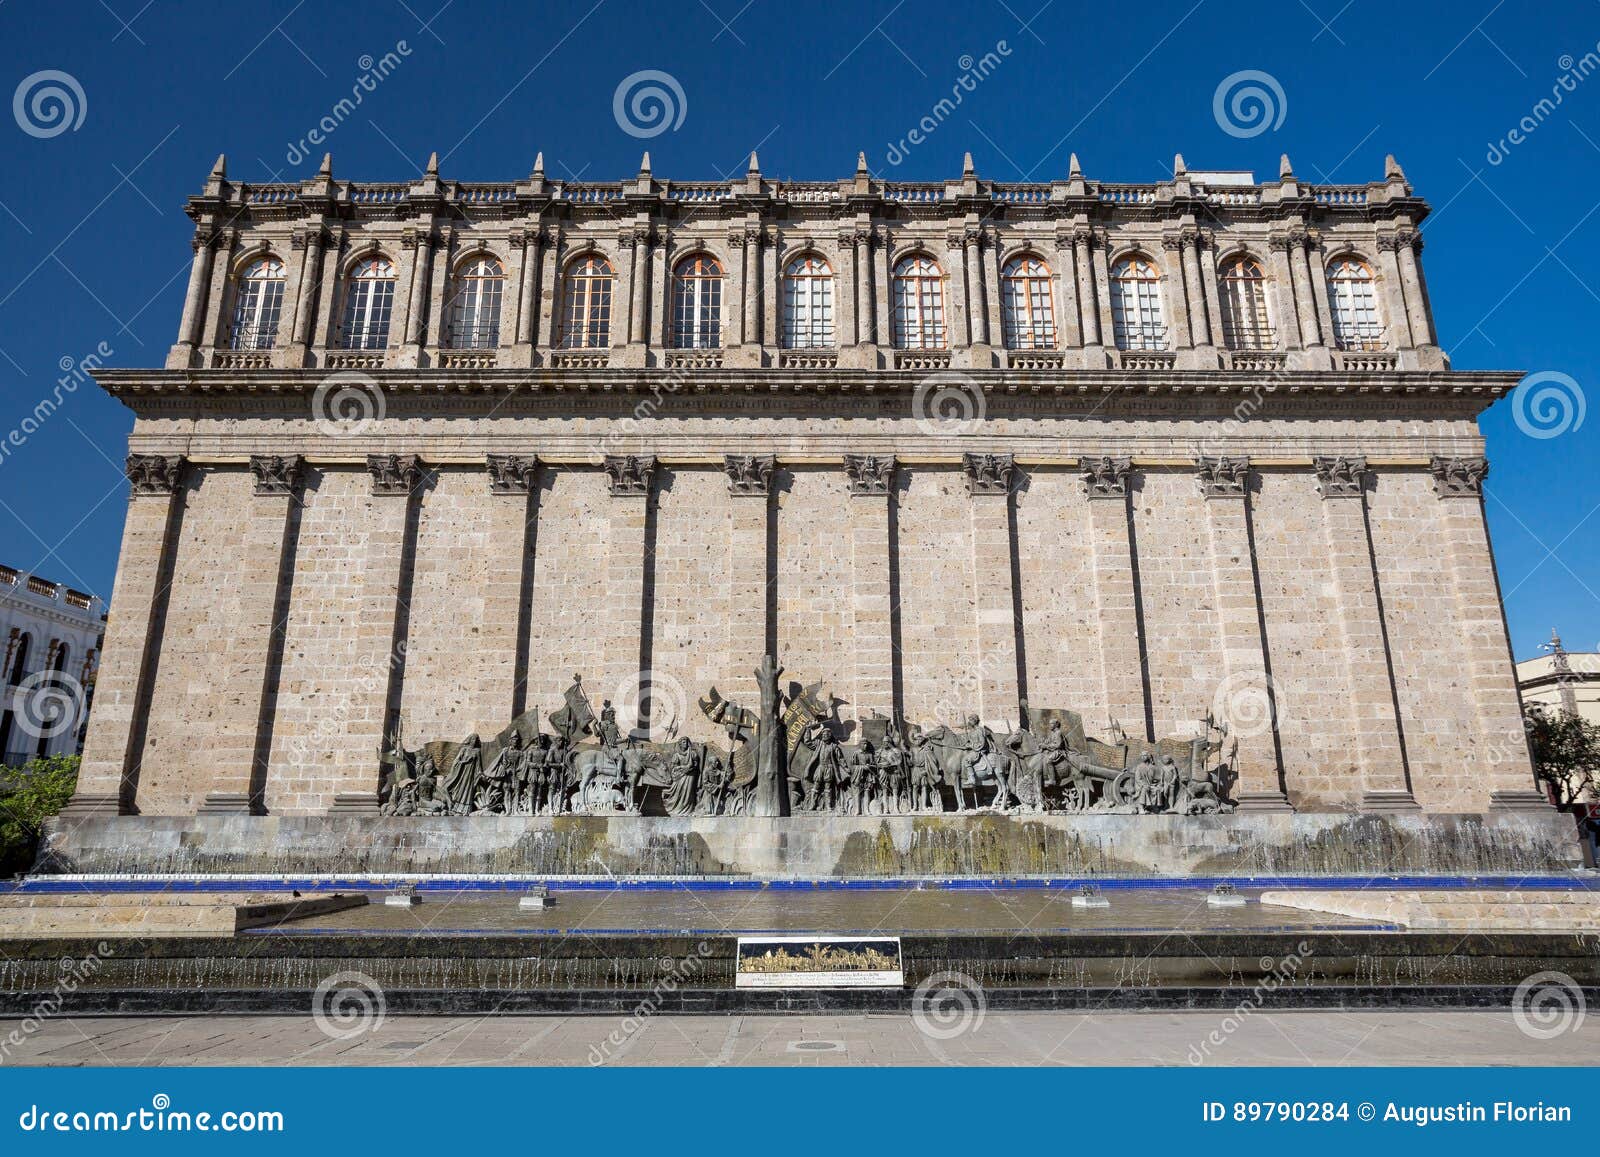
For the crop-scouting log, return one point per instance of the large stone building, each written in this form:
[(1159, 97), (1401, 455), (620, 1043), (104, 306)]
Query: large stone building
[(423, 451), (52, 647)]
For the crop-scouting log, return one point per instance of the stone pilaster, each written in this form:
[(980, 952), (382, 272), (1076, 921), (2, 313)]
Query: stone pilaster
[(1174, 292), (270, 523), (503, 645), (622, 619), (1483, 646), (989, 478), (1195, 289), (194, 301), (1088, 303), (748, 618), (1304, 292), (1415, 291), (1246, 698), (1375, 720), (109, 774), (1121, 657), (871, 480)]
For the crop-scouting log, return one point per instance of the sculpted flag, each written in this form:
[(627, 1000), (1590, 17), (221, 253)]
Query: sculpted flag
[(575, 718)]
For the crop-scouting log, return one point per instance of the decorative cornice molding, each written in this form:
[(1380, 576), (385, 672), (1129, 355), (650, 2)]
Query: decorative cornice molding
[(870, 475), (277, 474), (155, 475), (1223, 477), (1459, 477), (394, 475), (988, 473), (630, 474), (1105, 477), (750, 474), (512, 473), (1342, 476)]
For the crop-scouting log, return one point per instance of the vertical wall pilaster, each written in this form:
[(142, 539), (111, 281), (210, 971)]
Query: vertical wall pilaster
[(194, 300), (625, 618), (1304, 292), (1088, 302), (240, 748), (1195, 289), (639, 315), (1280, 288), (750, 568), (989, 478), (1396, 316), (1122, 659), (310, 285), (109, 775), (1375, 717), (1246, 699), (528, 300), (1483, 644), (866, 319), (1069, 329), (1409, 244), (627, 272), (1175, 290), (512, 523), (871, 480)]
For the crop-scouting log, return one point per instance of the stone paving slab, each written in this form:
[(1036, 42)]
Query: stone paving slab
[(40, 916), (1067, 1039)]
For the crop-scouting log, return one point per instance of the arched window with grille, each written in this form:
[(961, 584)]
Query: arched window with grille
[(1137, 321), (586, 304), (918, 286), (368, 303), (19, 659), (808, 304), (1354, 303), (697, 303), (480, 287), (1243, 289), (258, 302), (1027, 305)]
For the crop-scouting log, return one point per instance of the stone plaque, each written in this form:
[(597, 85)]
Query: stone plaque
[(819, 962)]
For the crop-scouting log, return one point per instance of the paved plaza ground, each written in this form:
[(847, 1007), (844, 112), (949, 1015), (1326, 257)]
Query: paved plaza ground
[(1158, 1038)]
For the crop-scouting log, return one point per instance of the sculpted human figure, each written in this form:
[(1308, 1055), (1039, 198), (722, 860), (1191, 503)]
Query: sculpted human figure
[(497, 793), (558, 782), (863, 776), (1054, 758), (714, 783), (461, 784), (924, 773), (1146, 783), (1168, 782), (828, 776), (892, 774), (978, 743), (429, 801)]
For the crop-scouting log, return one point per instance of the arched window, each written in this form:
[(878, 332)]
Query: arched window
[(475, 308), (1356, 325), (919, 304), (1027, 305), (60, 663), (1245, 325), (807, 304), (368, 302), (1136, 318), (19, 659), (697, 303), (258, 301), (586, 304)]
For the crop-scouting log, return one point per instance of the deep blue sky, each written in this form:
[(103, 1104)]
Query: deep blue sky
[(95, 246)]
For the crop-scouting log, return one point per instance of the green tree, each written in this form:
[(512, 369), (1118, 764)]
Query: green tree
[(28, 796), (1566, 753)]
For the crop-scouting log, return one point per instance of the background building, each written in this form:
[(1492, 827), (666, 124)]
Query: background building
[(1562, 680), (52, 637)]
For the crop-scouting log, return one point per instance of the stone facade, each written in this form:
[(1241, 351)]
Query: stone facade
[(52, 640), (328, 540)]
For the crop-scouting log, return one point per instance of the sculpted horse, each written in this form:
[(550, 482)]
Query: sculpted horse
[(993, 769), (606, 782)]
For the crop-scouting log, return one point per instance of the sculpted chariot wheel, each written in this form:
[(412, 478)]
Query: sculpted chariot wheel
[(1121, 790)]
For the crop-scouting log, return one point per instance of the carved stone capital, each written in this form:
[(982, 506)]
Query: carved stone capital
[(737, 238), (512, 473), (630, 474), (1223, 477), (155, 474), (394, 475), (1341, 477), (988, 473), (1083, 236), (870, 475), (277, 473), (750, 474), (1459, 477), (1280, 241), (1172, 241), (953, 240), (1105, 477)]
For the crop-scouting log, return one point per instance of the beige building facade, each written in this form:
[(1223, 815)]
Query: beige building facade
[(1152, 453)]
